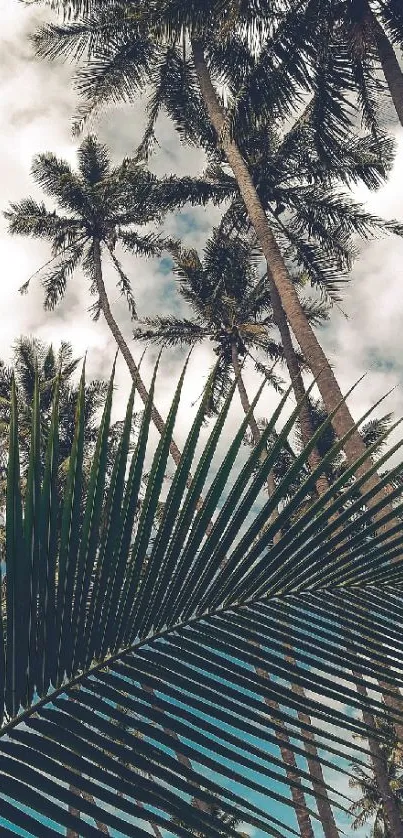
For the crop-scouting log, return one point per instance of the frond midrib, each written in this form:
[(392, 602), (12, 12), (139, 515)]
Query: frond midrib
[(106, 662)]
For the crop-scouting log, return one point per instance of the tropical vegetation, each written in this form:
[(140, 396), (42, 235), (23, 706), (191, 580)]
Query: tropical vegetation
[(215, 651)]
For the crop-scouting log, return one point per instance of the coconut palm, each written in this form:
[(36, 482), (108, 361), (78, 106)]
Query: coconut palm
[(128, 47), (222, 819), (102, 207), (168, 628), (314, 221), (231, 309), (369, 36), (369, 806), (29, 355)]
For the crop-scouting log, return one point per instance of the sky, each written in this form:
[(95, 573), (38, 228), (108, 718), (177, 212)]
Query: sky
[(37, 101)]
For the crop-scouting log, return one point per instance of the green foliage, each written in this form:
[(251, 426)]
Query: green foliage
[(368, 807), (29, 355), (113, 646), (100, 203), (230, 305)]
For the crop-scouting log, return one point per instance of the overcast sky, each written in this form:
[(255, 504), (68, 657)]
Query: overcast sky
[(36, 105)]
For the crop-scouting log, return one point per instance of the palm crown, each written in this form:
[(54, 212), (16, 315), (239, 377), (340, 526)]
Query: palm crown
[(361, 39), (315, 222), (231, 306), (101, 204)]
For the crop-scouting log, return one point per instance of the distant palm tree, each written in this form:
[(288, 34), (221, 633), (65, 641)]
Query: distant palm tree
[(221, 817), (29, 355), (369, 806), (231, 309)]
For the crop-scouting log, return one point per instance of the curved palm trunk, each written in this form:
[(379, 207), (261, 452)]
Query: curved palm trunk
[(388, 60), (121, 343), (330, 391), (132, 366), (315, 769), (395, 702)]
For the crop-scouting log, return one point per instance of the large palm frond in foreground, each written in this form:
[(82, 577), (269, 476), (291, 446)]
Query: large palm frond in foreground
[(122, 650)]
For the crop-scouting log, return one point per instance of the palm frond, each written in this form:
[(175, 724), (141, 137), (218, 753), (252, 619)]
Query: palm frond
[(169, 331), (148, 644)]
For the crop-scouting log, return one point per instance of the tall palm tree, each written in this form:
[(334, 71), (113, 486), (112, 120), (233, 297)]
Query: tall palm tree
[(231, 308), (171, 616), (101, 206), (128, 46)]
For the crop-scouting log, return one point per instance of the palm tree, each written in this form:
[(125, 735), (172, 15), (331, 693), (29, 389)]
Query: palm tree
[(369, 36), (170, 616), (234, 311), (29, 355), (369, 806), (129, 46), (231, 307), (102, 206), (222, 819)]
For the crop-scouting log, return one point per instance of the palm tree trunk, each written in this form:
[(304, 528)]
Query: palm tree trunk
[(315, 769), (133, 369), (395, 704), (330, 391), (291, 768), (256, 435), (71, 833), (388, 60), (297, 382), (121, 343)]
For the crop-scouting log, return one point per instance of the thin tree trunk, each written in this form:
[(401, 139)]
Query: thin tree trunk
[(395, 702), (331, 394), (133, 369), (291, 768), (256, 435), (315, 768), (121, 343), (389, 62), (287, 754)]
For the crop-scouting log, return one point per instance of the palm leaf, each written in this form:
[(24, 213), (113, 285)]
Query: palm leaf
[(132, 655)]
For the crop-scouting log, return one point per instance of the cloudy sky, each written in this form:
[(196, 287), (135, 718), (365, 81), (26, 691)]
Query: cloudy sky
[(36, 106)]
